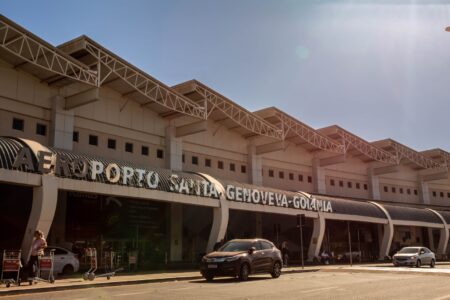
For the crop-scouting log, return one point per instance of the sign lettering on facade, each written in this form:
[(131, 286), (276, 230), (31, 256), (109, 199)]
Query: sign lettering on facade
[(63, 166)]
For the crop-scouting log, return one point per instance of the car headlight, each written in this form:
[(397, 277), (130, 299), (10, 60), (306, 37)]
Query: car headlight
[(413, 257), (233, 258)]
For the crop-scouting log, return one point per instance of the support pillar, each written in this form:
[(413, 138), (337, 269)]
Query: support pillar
[(174, 149), (443, 236), (58, 232), (173, 157), (424, 192), (220, 216), (374, 184), (386, 232), (255, 177), (386, 241), (319, 181), (316, 238), (42, 212), (176, 232), (62, 125)]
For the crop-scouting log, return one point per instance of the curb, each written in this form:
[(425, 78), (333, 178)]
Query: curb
[(349, 270), (47, 289)]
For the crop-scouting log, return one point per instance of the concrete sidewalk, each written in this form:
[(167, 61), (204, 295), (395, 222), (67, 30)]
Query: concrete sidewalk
[(79, 283)]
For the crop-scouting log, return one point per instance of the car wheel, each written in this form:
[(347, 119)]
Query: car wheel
[(244, 272), (432, 263), (68, 270), (276, 270), (209, 277), (418, 263)]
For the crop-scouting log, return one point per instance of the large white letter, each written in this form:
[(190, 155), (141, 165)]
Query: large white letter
[(116, 169), (127, 174), (96, 169)]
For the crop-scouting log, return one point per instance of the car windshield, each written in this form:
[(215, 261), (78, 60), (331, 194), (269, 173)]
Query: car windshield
[(409, 250), (236, 246)]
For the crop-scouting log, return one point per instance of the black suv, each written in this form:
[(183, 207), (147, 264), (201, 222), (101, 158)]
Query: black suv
[(239, 258)]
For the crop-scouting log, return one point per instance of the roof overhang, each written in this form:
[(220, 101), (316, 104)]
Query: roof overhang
[(26, 51), (298, 132), (225, 112), (408, 156), (129, 81)]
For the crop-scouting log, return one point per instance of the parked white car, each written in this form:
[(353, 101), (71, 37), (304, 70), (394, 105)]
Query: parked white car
[(414, 256), (66, 262)]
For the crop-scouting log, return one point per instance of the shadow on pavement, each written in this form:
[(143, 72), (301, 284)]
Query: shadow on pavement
[(231, 280)]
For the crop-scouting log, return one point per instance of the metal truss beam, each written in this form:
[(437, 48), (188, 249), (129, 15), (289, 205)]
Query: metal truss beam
[(22, 44), (154, 90), (364, 147), (403, 152), (236, 113), (308, 134)]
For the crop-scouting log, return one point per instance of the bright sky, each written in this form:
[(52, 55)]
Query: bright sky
[(377, 68)]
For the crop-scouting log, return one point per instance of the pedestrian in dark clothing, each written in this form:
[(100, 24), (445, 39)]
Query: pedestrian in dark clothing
[(285, 253)]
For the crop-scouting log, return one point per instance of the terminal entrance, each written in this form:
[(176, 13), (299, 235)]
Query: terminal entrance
[(363, 240), (15, 208), (276, 228), (138, 231)]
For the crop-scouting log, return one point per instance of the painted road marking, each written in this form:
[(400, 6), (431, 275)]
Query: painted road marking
[(318, 290), (130, 294)]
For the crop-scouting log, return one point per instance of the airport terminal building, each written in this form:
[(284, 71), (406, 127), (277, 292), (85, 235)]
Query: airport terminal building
[(96, 152)]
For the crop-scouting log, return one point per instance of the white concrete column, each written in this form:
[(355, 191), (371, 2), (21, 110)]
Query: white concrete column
[(220, 216), (443, 236), (318, 177), (316, 238), (386, 242), (58, 232), (43, 208), (173, 157), (424, 192), (254, 166), (374, 184), (176, 232), (387, 233), (255, 177), (174, 149), (61, 125)]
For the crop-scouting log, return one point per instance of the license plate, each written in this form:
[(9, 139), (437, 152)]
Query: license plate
[(211, 266)]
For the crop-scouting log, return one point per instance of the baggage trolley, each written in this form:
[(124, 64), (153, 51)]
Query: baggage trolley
[(107, 263), (91, 254), (11, 264), (45, 264)]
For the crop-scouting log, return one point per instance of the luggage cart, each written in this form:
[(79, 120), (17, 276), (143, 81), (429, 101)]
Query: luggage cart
[(45, 264), (11, 264), (107, 264), (91, 254)]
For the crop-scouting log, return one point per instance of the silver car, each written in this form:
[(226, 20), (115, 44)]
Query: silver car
[(414, 256)]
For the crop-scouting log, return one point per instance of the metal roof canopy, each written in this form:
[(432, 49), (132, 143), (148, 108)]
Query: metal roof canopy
[(357, 146), (416, 159), (226, 112), (439, 155), (298, 132), (403, 213), (128, 80), (24, 50)]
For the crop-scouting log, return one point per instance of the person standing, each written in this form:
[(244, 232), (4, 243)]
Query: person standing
[(285, 253), (37, 249)]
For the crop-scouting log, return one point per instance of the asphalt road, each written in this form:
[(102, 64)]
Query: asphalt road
[(313, 285)]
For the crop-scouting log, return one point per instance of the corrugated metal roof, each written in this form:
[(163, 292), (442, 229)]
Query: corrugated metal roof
[(402, 213)]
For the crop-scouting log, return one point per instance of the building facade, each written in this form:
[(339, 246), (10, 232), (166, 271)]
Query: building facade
[(95, 151)]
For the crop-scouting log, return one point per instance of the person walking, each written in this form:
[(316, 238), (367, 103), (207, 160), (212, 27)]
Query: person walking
[(285, 253), (37, 249)]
